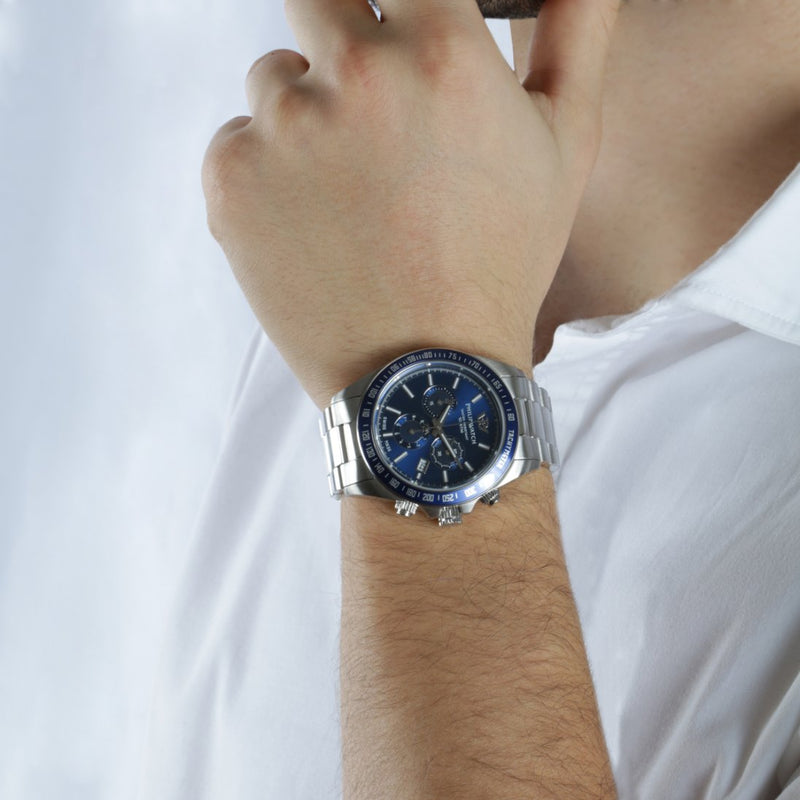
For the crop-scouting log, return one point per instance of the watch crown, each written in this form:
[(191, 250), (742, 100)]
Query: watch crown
[(491, 497), (449, 515), (405, 508)]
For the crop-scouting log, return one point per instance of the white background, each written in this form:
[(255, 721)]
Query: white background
[(122, 333)]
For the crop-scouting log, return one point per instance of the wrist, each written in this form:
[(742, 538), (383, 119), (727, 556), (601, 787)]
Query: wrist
[(354, 364), (430, 620)]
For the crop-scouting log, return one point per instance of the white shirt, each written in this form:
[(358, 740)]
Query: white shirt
[(679, 497)]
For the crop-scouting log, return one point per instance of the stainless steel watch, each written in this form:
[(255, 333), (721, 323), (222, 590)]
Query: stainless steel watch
[(439, 430)]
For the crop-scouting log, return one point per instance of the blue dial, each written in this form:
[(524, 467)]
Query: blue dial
[(438, 427)]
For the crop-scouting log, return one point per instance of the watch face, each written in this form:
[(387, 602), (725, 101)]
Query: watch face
[(438, 427)]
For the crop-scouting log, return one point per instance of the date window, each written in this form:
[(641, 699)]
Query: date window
[(483, 423)]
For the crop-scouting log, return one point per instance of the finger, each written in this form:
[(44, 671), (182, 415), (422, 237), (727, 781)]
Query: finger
[(568, 58), (323, 28), (269, 75)]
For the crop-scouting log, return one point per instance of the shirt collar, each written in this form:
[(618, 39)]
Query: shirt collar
[(754, 279)]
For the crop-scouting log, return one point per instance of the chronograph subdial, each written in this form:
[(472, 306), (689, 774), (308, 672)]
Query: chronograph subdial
[(410, 431), (447, 452), (438, 400)]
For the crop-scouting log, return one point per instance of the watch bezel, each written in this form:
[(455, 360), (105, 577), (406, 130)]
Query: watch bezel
[(404, 490)]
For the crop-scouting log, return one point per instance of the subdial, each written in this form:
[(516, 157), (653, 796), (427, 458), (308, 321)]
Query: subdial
[(438, 400), (411, 432), (447, 452)]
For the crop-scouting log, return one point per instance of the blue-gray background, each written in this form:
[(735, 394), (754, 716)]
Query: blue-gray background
[(121, 333)]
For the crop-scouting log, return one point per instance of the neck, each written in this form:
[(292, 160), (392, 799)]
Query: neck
[(701, 125)]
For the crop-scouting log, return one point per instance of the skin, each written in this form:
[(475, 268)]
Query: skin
[(654, 211), (700, 126), (408, 155), (398, 185), (372, 127)]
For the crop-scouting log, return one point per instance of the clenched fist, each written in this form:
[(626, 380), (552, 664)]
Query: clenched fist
[(399, 187)]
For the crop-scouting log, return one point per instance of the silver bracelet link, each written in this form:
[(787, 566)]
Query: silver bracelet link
[(536, 420), (341, 449)]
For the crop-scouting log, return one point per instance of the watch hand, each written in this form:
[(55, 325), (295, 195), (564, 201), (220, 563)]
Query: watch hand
[(448, 446), (444, 414)]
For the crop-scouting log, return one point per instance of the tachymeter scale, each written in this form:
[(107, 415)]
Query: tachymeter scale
[(437, 427)]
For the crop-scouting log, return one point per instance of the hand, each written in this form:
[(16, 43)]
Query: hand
[(401, 188)]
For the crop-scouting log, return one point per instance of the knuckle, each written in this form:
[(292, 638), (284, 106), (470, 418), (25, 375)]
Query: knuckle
[(226, 163), (269, 58), (443, 60), (359, 63), (364, 85), (256, 66), (445, 49), (443, 53)]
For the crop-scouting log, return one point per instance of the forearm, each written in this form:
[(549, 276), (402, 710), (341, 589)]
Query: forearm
[(463, 670)]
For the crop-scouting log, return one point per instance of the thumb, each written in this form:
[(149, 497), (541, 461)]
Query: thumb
[(567, 64)]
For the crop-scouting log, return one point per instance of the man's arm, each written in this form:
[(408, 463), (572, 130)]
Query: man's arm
[(463, 672), (400, 188)]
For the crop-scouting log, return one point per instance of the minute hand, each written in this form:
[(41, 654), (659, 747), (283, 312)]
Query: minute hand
[(448, 445)]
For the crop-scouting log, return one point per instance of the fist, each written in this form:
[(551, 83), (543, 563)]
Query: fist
[(399, 187)]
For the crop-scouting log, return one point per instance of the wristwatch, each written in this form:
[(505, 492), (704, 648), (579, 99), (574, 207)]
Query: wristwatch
[(439, 430)]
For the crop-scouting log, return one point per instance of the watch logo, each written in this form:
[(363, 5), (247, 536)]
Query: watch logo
[(467, 426)]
